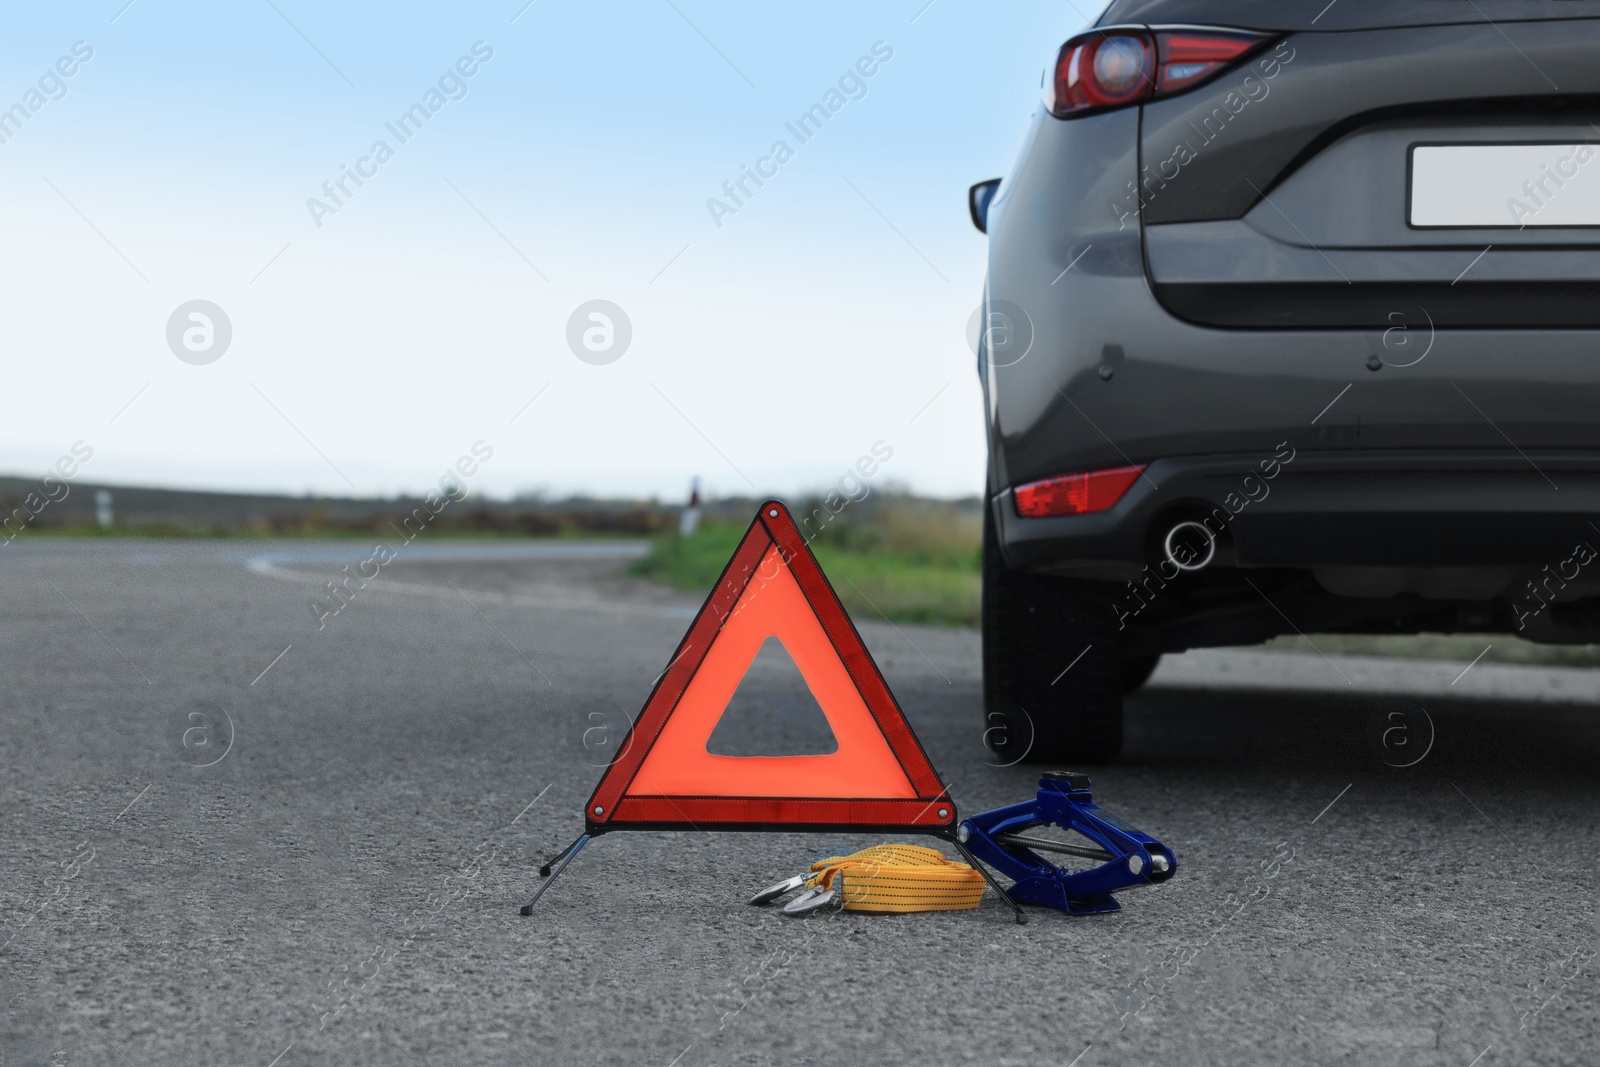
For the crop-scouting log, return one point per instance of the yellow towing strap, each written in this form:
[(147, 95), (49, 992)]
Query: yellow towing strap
[(899, 878)]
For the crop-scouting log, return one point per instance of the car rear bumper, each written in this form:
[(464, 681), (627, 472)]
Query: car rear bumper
[(1308, 509)]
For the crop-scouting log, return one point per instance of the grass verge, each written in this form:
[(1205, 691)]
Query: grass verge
[(900, 562)]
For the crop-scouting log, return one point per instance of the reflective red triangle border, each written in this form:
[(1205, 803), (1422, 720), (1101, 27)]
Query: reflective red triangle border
[(611, 807)]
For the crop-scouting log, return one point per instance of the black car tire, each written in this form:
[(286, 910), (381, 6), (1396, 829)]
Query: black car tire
[(1034, 627)]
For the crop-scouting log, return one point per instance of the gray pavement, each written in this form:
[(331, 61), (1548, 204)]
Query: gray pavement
[(231, 837)]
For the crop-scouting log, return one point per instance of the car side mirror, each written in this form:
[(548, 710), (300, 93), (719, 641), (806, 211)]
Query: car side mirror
[(979, 197)]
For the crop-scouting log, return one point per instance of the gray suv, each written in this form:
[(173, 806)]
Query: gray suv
[(1292, 324)]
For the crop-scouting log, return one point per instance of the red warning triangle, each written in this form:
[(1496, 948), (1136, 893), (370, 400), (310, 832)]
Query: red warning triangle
[(663, 778)]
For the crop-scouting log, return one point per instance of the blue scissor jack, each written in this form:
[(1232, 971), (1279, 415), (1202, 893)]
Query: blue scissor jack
[(1129, 858)]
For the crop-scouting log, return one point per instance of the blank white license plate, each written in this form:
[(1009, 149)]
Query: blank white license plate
[(1517, 185)]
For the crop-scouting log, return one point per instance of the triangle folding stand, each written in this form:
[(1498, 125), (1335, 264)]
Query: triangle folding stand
[(878, 781)]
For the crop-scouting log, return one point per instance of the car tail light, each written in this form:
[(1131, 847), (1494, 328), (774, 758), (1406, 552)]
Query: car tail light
[(1102, 70), (1188, 57), (1113, 67), (1074, 494)]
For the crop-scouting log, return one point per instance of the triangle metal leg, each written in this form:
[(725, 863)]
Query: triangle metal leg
[(555, 872), (1021, 918), (544, 868)]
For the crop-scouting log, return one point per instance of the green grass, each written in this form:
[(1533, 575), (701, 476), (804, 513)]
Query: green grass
[(903, 559)]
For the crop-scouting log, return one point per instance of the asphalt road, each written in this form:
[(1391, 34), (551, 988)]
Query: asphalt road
[(231, 837)]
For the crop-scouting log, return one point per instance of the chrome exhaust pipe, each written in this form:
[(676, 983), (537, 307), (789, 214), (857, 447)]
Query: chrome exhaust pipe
[(1190, 546)]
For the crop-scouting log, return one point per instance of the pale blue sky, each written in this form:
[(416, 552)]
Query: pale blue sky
[(427, 310)]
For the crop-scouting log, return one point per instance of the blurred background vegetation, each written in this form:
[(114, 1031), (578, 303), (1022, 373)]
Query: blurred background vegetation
[(890, 556), (177, 513)]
